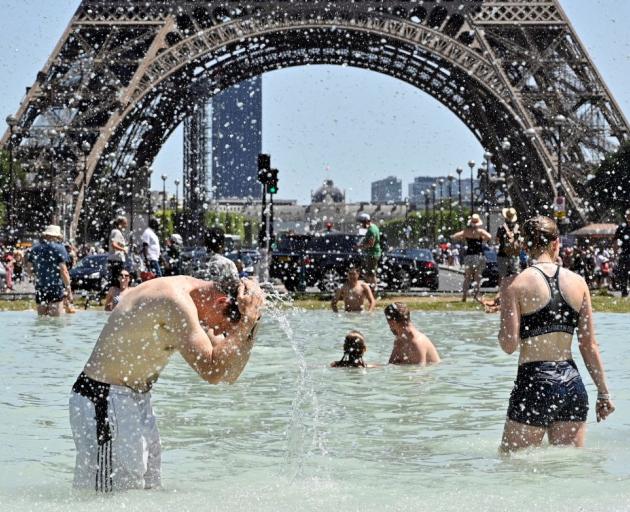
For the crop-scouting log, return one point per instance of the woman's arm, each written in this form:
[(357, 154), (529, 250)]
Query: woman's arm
[(509, 332), (109, 300), (589, 348), (458, 236), (485, 236)]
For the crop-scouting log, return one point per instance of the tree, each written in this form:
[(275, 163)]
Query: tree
[(610, 186)]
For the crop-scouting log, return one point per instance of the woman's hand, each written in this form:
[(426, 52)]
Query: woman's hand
[(604, 408)]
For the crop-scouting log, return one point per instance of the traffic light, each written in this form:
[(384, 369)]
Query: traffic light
[(272, 183)]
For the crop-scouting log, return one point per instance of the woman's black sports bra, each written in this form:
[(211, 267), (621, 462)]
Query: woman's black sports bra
[(556, 316), (474, 246)]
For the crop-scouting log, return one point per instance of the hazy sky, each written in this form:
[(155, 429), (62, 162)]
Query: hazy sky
[(352, 125)]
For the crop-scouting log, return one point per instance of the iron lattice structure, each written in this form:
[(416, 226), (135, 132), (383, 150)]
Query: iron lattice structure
[(126, 72), (195, 169)]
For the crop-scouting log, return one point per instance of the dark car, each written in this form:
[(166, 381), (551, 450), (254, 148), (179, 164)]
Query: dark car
[(490, 274), (287, 261), (92, 273), (328, 258), (410, 268)]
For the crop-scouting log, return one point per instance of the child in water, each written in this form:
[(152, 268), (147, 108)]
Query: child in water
[(353, 349)]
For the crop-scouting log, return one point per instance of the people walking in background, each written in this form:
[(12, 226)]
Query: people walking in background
[(509, 245), (622, 237), (117, 249), (540, 310), (410, 345), (115, 292), (474, 260), (354, 293), (52, 280), (354, 348), (371, 249), (172, 255), (9, 267), (151, 248), (218, 268)]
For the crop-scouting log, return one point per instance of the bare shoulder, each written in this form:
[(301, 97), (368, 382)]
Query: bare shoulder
[(572, 278)]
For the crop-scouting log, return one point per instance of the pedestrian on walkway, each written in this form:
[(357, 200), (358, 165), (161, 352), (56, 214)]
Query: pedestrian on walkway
[(151, 248), (622, 236)]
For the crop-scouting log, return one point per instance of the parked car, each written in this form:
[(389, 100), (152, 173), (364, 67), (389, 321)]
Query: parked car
[(92, 273), (410, 268), (328, 258), (287, 261)]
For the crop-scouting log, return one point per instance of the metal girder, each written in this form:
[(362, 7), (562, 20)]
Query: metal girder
[(126, 72)]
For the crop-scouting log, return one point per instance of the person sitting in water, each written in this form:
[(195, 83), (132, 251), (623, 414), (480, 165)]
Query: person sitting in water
[(540, 310), (113, 426), (410, 345), (354, 348), (354, 293), (115, 293)]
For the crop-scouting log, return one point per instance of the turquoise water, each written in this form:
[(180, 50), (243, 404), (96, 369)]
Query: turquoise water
[(294, 434)]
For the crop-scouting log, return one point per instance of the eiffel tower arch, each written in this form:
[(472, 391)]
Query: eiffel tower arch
[(126, 73)]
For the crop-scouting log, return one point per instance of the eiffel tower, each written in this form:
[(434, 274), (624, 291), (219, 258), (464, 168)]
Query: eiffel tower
[(126, 73)]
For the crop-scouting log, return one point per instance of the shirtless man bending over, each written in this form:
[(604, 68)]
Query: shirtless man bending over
[(114, 430), (354, 293), (410, 345)]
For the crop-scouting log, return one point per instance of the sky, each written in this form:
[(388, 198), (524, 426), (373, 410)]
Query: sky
[(350, 125)]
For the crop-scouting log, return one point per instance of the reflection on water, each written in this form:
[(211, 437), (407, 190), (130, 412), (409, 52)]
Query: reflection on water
[(294, 433)]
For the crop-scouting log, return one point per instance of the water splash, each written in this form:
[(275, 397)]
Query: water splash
[(304, 435)]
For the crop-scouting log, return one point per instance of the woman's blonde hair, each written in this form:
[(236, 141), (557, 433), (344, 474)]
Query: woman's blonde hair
[(539, 232)]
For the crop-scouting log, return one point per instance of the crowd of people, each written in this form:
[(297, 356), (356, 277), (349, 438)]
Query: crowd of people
[(213, 322)]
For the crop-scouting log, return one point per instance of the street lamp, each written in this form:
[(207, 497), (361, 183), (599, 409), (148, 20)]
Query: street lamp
[(441, 182), (559, 121), (450, 179), (164, 177), (12, 122), (487, 199), (177, 182), (472, 164), (132, 168), (433, 189), (425, 193), (85, 149)]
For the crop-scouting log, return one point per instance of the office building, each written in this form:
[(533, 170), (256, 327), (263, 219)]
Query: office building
[(388, 190), (236, 126)]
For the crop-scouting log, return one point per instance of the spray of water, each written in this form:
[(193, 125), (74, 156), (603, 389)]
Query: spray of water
[(304, 436)]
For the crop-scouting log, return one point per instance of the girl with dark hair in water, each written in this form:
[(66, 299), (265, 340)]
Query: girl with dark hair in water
[(353, 349), (541, 308)]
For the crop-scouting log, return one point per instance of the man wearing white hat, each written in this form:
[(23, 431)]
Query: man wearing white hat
[(509, 245), (52, 283), (371, 249)]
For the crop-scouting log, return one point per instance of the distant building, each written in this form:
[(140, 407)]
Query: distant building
[(388, 190), (236, 140), (422, 183)]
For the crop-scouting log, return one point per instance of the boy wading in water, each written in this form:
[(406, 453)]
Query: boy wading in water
[(410, 345), (212, 325), (354, 293)]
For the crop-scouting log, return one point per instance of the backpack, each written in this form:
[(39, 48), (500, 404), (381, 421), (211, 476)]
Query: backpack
[(513, 245)]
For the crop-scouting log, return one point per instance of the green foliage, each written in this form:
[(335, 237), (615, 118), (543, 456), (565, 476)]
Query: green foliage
[(169, 217), (5, 181), (422, 230), (610, 188), (234, 224)]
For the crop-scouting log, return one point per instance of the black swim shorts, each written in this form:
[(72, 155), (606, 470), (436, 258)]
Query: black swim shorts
[(548, 391), (49, 295)]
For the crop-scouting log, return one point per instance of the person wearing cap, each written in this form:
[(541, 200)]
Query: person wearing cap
[(218, 268), (172, 255), (52, 280), (622, 236), (509, 246), (117, 249), (371, 248), (474, 260)]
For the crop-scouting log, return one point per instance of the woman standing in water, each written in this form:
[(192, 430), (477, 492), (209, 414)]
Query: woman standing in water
[(474, 259), (115, 293), (540, 310)]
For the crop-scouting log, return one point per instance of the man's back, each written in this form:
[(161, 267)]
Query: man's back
[(413, 347), (46, 257), (142, 333)]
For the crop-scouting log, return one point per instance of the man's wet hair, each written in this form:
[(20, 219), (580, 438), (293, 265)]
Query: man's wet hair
[(232, 311), (214, 240), (398, 312)]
